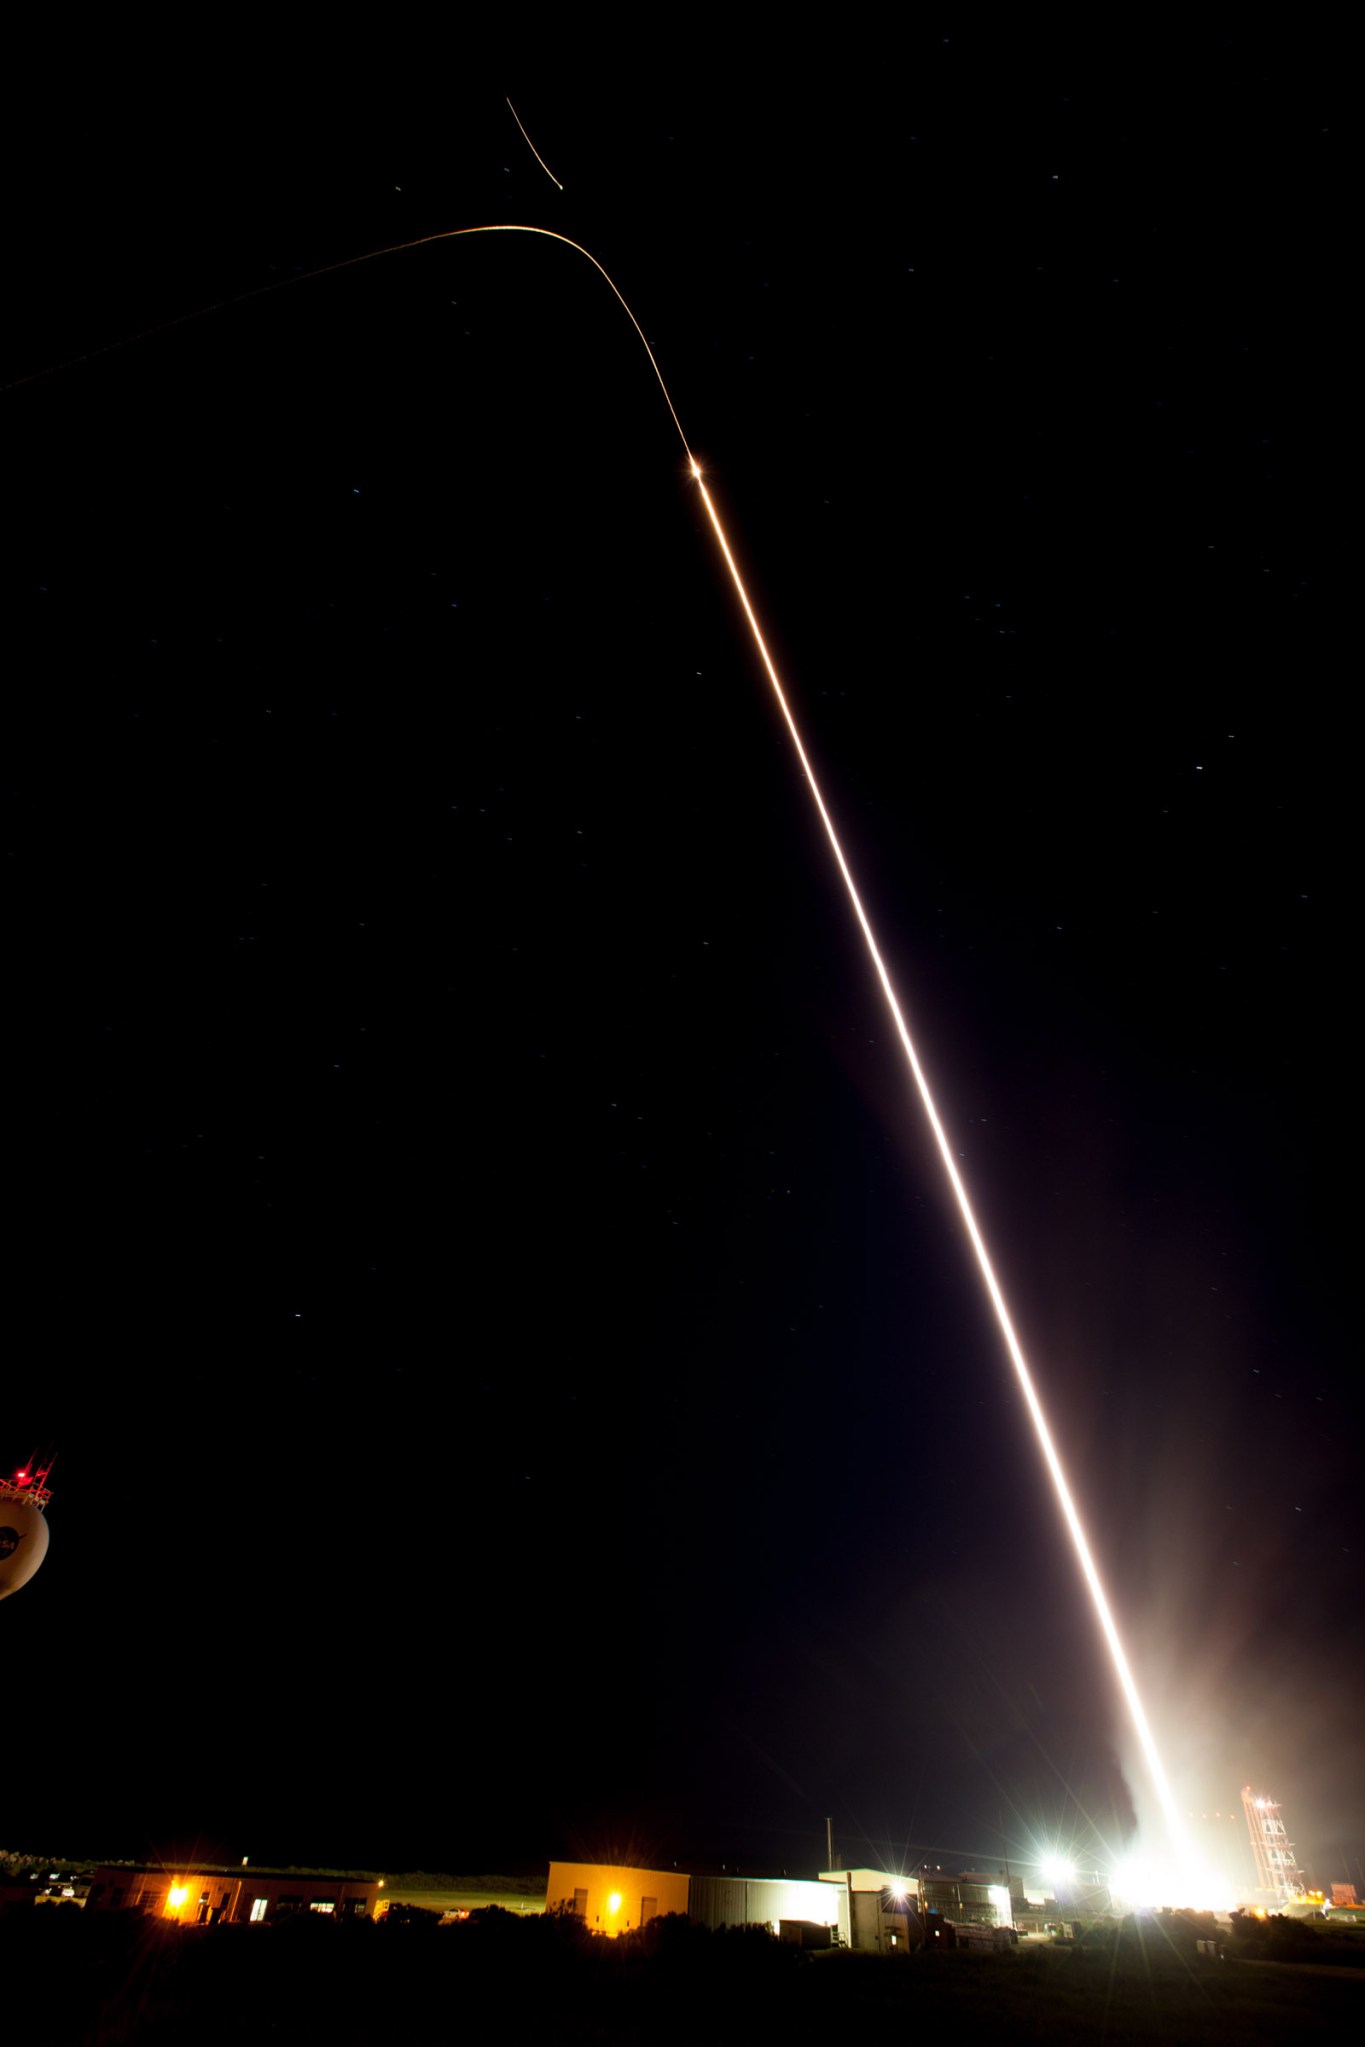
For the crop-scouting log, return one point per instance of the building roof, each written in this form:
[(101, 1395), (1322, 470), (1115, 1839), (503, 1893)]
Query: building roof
[(867, 1879), (245, 1870)]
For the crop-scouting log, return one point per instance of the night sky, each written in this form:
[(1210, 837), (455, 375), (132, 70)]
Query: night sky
[(518, 1384)]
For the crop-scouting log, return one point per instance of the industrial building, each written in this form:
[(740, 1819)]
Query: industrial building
[(973, 1899), (881, 1912), (864, 1909), (614, 1898), (795, 1908), (858, 1908), (218, 1897)]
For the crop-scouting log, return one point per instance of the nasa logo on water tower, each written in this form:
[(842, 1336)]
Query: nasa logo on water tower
[(23, 1528)]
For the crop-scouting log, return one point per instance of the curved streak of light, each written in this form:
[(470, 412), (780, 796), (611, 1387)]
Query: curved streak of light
[(448, 234), (1051, 1459), (532, 147)]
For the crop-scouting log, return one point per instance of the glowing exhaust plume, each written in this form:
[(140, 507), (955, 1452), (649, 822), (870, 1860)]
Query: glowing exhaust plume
[(1051, 1459)]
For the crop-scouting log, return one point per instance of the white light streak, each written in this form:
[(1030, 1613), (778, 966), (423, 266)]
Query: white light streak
[(532, 147), (1070, 1515)]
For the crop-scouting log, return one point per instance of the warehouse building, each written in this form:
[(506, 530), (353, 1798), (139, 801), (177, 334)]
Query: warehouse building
[(614, 1898), (218, 1897), (795, 1908), (973, 1898), (859, 1908), (881, 1912)]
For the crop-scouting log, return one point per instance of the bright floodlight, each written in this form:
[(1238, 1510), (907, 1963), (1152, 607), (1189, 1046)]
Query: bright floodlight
[(1058, 1869), (614, 1902), (1134, 1883), (177, 1896)]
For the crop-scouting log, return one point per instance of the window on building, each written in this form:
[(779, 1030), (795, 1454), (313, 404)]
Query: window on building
[(322, 1905), (649, 1909), (580, 1903), (258, 1910)]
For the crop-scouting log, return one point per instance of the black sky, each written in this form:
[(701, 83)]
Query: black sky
[(518, 1385)]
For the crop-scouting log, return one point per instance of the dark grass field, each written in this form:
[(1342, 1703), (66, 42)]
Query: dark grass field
[(116, 1978)]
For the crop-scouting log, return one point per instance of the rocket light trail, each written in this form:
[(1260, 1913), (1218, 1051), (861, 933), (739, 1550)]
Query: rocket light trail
[(1051, 1459), (260, 291), (1070, 1515)]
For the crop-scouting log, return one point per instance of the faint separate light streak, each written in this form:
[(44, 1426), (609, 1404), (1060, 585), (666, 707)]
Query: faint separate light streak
[(532, 147)]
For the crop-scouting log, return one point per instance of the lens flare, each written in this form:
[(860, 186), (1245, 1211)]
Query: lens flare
[(1052, 1461)]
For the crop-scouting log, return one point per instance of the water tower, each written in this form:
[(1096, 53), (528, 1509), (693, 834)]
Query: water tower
[(23, 1525)]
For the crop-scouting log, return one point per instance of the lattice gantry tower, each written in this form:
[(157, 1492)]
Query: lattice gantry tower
[(1271, 1848)]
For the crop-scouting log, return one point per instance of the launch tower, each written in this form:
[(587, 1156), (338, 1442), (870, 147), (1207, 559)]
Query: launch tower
[(1277, 1873)]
